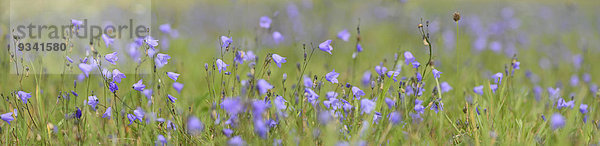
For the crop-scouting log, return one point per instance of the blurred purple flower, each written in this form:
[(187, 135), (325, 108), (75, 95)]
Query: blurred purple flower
[(553, 93), (139, 114), (278, 60), (280, 103), (139, 86), (74, 93), (419, 108), (24, 96), (112, 57), (236, 141), (376, 117), (265, 22), (227, 132), (151, 41), (178, 86), (480, 43), (76, 23), (574, 80), (415, 64), (194, 125), (112, 86), (359, 47), (439, 106), (221, 66), (449, 39), (225, 41), (416, 117), (395, 117), (165, 28), (326, 46), (344, 35), (232, 106), (331, 94), (277, 37), (561, 103), (583, 108), (260, 128), (332, 103), (162, 59), (161, 139), (308, 82), (131, 118), (332, 77), (259, 107), (367, 106), (85, 60), (311, 95), (436, 73), (357, 92), (496, 46), (494, 87), (537, 92), (445, 87), (239, 57), (380, 69), (577, 60), (108, 113), (7, 117), (478, 90), (249, 56), (78, 113), (593, 88), (107, 40), (85, 68), (263, 86), (277, 142), (366, 78), (557, 121), (150, 52), (117, 75), (106, 73), (69, 59), (408, 57), (147, 93), (324, 117), (342, 143), (390, 103), (516, 65), (171, 98), (393, 75), (170, 125), (347, 106), (586, 77), (173, 75)]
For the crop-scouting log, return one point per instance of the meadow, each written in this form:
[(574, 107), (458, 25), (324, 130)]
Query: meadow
[(318, 73)]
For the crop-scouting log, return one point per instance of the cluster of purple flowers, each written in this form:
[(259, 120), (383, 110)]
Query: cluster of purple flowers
[(261, 103)]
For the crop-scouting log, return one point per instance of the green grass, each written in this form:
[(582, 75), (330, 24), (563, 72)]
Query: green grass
[(512, 116)]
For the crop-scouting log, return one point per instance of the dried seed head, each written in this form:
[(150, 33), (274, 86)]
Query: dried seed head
[(456, 16)]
